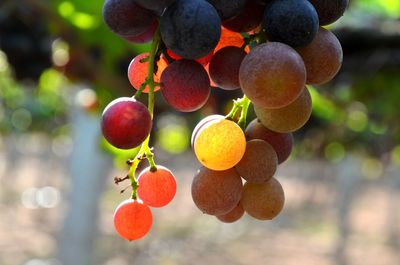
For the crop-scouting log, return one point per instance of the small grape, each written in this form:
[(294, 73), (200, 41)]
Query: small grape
[(258, 163), (329, 10), (157, 188), (263, 201), (185, 85), (233, 215), (228, 9), (132, 219), (248, 19), (289, 118), (224, 67), (293, 22), (126, 123), (220, 144), (322, 57), (281, 142), (126, 18), (272, 75), (216, 192)]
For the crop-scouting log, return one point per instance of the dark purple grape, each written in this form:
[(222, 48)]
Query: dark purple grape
[(228, 8), (158, 6), (249, 19), (126, 123), (185, 85), (191, 28), (224, 67), (126, 18), (293, 22), (329, 10)]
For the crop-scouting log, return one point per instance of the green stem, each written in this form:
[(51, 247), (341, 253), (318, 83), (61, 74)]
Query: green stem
[(243, 104), (145, 150)]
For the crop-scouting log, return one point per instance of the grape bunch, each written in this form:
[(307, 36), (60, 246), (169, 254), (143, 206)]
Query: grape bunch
[(270, 49)]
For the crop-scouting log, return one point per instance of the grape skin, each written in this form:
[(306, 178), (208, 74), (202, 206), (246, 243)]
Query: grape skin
[(191, 28), (132, 219), (293, 22), (329, 10), (263, 201), (289, 118), (216, 192), (185, 85), (281, 142), (224, 67), (126, 18), (258, 163), (126, 123), (247, 20), (322, 57), (272, 75)]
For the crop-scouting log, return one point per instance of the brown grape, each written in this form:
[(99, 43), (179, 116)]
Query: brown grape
[(281, 142), (322, 57), (263, 201), (233, 215), (216, 192), (289, 118), (272, 75), (258, 163)]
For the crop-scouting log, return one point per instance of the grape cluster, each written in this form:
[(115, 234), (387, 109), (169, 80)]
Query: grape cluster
[(271, 49)]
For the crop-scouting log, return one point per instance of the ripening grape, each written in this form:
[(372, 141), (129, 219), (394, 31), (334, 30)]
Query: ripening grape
[(125, 123), (258, 163), (220, 144), (281, 142), (289, 118), (156, 189), (126, 18), (202, 60), (228, 9), (224, 67), (157, 6), (191, 29), (329, 10), (230, 38), (322, 57), (202, 123), (216, 192), (233, 215), (145, 36), (185, 85), (132, 219), (293, 22), (138, 70), (263, 201), (248, 19), (272, 75)]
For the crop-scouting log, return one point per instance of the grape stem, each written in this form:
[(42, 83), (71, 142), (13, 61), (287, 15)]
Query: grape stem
[(145, 151), (243, 104)]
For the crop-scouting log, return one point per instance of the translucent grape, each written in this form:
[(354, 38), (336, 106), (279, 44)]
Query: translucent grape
[(263, 201), (132, 219), (220, 144), (272, 75), (322, 57), (233, 215), (216, 192), (156, 189), (289, 118), (258, 163), (202, 123), (281, 142)]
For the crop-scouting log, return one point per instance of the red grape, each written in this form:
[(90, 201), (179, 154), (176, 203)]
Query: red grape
[(132, 219), (233, 215), (158, 188)]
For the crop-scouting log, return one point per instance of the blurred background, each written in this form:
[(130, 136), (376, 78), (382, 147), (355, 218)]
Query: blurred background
[(59, 67)]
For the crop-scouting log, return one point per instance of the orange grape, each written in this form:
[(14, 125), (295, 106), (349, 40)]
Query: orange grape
[(220, 144), (289, 118), (259, 162), (157, 188), (233, 215), (216, 192), (132, 219), (263, 201)]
